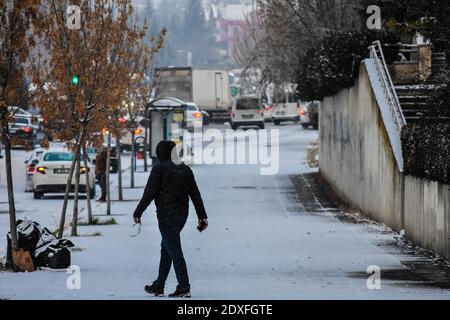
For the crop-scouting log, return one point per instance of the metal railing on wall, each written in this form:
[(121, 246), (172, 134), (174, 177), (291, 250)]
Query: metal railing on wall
[(376, 53)]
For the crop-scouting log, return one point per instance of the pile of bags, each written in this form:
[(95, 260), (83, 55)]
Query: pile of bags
[(39, 243)]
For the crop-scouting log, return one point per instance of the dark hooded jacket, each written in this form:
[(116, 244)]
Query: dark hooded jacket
[(171, 186)]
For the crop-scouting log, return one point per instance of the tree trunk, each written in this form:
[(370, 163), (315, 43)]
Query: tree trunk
[(75, 198), (133, 156), (119, 171), (11, 202), (108, 191), (66, 194), (88, 187)]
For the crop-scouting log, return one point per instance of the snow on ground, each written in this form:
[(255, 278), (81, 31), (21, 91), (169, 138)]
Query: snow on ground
[(256, 247)]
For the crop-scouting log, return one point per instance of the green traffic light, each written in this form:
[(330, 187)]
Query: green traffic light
[(75, 80)]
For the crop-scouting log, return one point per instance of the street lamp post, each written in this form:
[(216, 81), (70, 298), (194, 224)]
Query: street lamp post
[(133, 157), (146, 138), (108, 187)]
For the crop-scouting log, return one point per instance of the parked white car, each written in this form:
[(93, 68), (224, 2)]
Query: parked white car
[(30, 167), (194, 117), (53, 170)]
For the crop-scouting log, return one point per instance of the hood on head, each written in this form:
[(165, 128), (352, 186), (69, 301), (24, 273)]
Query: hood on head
[(164, 150)]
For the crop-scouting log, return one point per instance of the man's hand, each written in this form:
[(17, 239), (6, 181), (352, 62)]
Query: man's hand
[(137, 220), (202, 224)]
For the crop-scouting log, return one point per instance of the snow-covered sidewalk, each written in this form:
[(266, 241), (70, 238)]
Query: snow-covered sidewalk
[(258, 246)]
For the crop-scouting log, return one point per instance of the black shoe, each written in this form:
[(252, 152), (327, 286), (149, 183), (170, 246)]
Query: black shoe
[(180, 293), (154, 290)]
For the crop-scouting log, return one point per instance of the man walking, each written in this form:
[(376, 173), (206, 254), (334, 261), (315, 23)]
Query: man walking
[(100, 171), (171, 186)]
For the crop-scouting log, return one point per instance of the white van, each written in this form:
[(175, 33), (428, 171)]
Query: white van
[(247, 112), (285, 108)]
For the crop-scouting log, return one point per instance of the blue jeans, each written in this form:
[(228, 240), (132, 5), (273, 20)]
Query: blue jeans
[(171, 252)]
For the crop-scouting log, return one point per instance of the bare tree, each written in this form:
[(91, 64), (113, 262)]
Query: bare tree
[(280, 31), (98, 56), (15, 47), (75, 200)]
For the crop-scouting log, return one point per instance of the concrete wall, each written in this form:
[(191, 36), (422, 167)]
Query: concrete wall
[(355, 153), (427, 214), (357, 160)]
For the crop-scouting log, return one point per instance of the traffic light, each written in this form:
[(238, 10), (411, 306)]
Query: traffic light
[(234, 91), (75, 80)]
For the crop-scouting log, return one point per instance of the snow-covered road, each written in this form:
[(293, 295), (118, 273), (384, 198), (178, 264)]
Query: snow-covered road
[(258, 246)]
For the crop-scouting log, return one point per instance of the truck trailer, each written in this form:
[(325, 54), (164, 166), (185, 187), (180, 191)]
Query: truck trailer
[(207, 88)]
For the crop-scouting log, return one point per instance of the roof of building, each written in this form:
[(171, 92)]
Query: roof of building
[(235, 11)]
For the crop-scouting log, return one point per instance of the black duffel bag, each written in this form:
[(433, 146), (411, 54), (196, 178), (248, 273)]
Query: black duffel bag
[(52, 252), (53, 255), (45, 249)]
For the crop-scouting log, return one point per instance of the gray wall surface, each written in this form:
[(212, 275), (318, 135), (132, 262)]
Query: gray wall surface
[(427, 214), (356, 158)]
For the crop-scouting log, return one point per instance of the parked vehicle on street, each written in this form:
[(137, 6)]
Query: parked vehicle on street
[(53, 170), (309, 115), (23, 128), (247, 112), (194, 117), (30, 167), (285, 108)]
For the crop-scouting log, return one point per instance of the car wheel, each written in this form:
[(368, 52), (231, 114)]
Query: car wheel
[(262, 126), (305, 126), (276, 122), (37, 195), (234, 127)]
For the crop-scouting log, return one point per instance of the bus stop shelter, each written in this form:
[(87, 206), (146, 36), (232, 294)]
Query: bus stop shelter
[(166, 122)]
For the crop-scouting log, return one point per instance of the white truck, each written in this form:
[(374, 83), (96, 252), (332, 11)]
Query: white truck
[(207, 88)]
